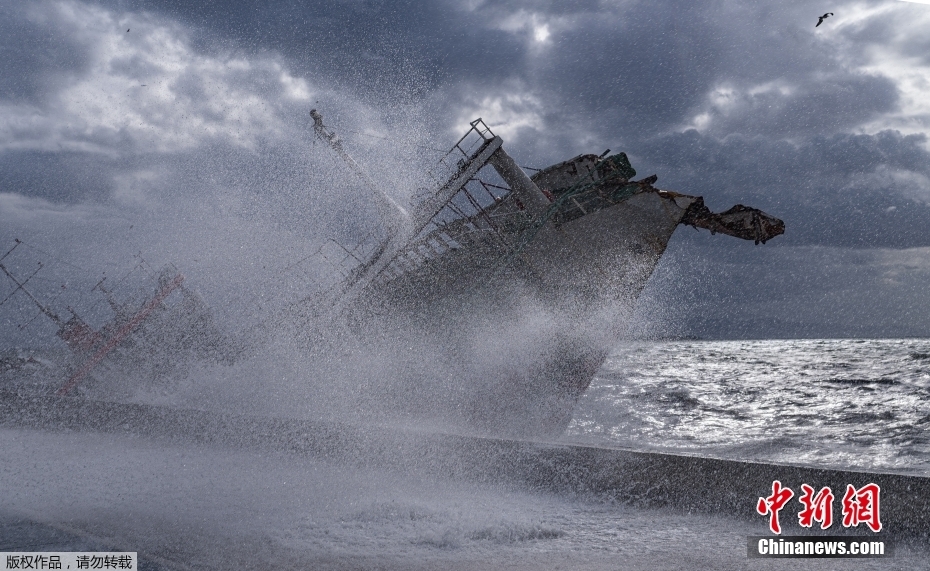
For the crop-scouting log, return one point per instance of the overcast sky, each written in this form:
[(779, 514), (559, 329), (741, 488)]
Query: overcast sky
[(180, 130)]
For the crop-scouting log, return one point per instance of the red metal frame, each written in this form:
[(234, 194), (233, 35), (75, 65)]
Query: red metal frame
[(121, 334)]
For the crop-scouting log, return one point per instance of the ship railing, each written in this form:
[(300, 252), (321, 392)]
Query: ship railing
[(463, 151), (484, 209), (498, 226), (433, 247), (467, 147), (478, 198), (344, 260), (484, 205), (312, 285), (322, 274)]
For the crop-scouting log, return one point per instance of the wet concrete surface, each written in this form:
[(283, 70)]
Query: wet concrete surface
[(198, 506)]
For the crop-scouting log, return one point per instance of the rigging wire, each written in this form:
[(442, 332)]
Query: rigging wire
[(61, 292), (140, 265), (392, 139), (52, 256)]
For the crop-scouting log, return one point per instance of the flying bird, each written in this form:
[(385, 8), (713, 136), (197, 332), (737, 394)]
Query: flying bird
[(127, 30), (819, 20)]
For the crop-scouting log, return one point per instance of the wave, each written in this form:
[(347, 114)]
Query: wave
[(859, 382)]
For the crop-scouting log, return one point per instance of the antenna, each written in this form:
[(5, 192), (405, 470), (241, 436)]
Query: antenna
[(22, 286)]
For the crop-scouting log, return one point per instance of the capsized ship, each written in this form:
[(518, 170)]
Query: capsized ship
[(543, 268)]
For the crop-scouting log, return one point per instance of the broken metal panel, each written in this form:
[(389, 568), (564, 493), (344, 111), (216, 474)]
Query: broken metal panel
[(588, 183), (567, 173), (584, 169), (740, 221)]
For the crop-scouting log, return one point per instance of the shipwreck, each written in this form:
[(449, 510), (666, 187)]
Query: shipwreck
[(496, 296), (575, 242), (149, 337)]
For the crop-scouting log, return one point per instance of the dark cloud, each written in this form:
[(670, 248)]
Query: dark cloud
[(740, 102), (816, 107), (641, 69), (66, 177), (37, 51), (617, 68), (787, 292), (374, 49)]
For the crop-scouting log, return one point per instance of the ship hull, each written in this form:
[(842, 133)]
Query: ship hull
[(519, 340)]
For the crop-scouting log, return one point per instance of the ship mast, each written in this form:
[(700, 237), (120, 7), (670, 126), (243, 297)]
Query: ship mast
[(395, 217)]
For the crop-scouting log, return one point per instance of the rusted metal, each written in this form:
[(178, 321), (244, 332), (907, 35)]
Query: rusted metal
[(145, 333), (740, 221), (121, 334)]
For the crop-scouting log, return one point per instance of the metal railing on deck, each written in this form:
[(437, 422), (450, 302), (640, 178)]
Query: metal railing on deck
[(471, 141), (480, 212), (465, 149)]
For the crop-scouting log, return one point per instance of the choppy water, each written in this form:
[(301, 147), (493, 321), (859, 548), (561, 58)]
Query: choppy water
[(848, 403)]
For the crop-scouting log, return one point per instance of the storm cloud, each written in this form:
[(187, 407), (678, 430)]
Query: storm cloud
[(197, 118)]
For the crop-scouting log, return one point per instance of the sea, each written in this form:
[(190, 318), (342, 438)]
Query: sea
[(859, 404), (845, 403)]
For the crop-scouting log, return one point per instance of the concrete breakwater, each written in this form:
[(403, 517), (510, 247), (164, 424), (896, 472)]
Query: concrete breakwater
[(689, 484)]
